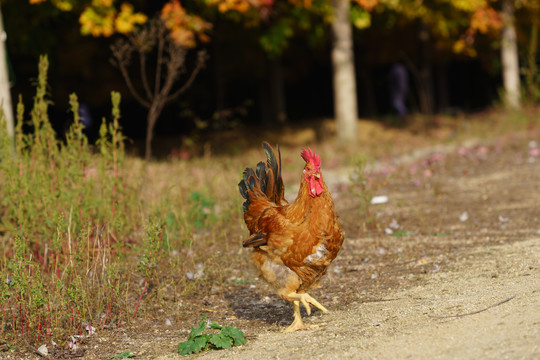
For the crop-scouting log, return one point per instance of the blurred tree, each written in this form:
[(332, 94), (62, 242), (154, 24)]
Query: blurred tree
[(344, 74), (279, 21), (100, 17), (450, 24), (171, 35), (170, 47), (230, 20), (532, 78), (443, 24), (509, 57), (5, 94)]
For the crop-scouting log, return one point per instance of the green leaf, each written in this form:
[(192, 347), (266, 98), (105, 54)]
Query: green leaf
[(197, 341), (215, 325), (124, 355), (234, 333), (193, 346), (442, 234), (360, 18), (198, 330), (401, 233), (221, 341)]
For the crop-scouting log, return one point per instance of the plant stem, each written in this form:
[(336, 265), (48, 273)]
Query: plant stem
[(140, 298)]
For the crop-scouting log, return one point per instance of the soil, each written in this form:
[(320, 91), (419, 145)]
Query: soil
[(386, 292), (459, 236)]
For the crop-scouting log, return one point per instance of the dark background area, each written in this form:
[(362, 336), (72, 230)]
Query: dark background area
[(81, 64)]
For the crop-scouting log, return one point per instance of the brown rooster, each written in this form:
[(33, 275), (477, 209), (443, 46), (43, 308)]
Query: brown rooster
[(293, 244)]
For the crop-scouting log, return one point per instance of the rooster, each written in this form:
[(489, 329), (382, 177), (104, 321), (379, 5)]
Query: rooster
[(293, 244)]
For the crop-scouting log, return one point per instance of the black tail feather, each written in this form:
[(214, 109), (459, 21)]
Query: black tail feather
[(243, 189), (255, 240), (280, 189), (261, 175), (266, 177)]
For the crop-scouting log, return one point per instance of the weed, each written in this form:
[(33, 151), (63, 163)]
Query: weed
[(148, 263), (124, 355), (401, 233), (198, 341), (201, 209), (364, 186)]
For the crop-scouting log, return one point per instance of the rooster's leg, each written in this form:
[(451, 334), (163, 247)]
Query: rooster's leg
[(306, 299), (297, 324)]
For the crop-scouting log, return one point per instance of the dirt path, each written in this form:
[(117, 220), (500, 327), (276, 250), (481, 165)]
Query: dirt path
[(470, 224), (399, 326)]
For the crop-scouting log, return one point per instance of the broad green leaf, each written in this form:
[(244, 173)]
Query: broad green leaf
[(234, 333), (193, 346), (198, 330), (221, 341)]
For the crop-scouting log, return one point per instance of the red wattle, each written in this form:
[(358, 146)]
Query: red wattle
[(318, 187), (315, 186)]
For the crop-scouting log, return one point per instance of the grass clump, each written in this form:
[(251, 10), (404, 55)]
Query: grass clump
[(50, 184), (64, 212)]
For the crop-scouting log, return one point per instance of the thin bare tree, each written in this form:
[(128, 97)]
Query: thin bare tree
[(154, 40), (344, 75), (509, 57), (5, 94)]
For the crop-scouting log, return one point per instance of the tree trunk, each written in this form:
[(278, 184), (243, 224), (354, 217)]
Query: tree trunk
[(509, 57), (277, 90), (272, 94), (424, 71), (344, 78), (219, 80), (443, 97), (367, 92), (151, 119), (531, 79), (265, 105), (5, 94)]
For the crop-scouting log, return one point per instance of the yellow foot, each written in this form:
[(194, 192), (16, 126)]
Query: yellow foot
[(297, 324), (294, 327), (306, 299)]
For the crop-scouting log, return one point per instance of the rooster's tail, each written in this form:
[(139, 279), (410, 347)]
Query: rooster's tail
[(265, 178)]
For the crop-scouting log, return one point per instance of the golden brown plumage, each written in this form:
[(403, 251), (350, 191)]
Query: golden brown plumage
[(293, 244)]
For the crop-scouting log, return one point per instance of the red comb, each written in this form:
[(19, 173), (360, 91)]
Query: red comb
[(311, 156)]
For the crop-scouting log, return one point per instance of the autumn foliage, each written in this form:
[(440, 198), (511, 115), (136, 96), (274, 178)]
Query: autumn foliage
[(101, 18), (456, 22), (185, 28)]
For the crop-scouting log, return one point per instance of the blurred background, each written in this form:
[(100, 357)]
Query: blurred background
[(273, 63)]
